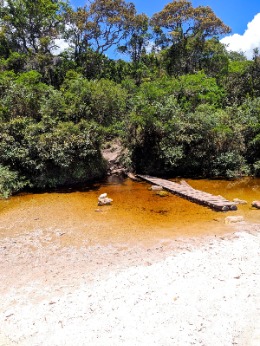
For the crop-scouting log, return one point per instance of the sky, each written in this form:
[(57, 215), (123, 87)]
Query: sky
[(242, 16)]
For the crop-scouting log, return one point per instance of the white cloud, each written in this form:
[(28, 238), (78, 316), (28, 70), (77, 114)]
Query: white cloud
[(61, 45), (246, 42)]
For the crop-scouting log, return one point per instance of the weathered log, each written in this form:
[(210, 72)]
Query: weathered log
[(184, 183), (188, 192)]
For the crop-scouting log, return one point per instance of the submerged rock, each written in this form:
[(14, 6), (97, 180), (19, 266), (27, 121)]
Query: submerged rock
[(234, 219), (239, 201), (156, 188), (162, 193), (256, 204)]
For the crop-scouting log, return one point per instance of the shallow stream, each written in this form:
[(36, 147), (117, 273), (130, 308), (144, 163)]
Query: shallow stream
[(136, 215)]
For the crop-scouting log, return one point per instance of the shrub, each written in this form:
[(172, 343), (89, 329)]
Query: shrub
[(10, 182)]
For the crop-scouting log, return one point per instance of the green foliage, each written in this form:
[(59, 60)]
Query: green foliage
[(15, 62), (238, 82), (10, 182), (32, 25), (23, 95), (165, 139), (197, 89), (102, 101), (185, 30), (257, 168), (229, 164), (49, 155), (186, 107), (249, 118)]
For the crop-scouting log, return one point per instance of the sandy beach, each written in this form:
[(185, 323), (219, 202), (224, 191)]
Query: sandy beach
[(183, 291)]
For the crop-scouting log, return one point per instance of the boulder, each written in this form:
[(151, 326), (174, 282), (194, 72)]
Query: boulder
[(256, 204), (233, 219)]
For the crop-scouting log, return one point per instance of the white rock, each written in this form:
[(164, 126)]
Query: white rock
[(105, 201), (233, 219), (103, 195), (156, 188), (256, 204), (239, 201)]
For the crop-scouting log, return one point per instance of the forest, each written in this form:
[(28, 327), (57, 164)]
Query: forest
[(178, 101)]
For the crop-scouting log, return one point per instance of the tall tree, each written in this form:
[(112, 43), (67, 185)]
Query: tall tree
[(185, 30), (100, 25), (33, 25), (136, 45)]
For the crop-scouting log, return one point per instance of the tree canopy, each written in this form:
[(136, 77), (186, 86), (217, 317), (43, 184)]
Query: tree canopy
[(179, 102)]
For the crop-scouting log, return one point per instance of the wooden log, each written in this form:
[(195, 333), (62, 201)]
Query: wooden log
[(186, 191)]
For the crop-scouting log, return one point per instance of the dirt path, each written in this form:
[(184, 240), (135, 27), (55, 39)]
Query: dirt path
[(200, 291)]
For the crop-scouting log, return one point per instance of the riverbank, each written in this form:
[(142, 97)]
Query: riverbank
[(183, 291)]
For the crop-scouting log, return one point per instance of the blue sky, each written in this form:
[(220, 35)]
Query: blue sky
[(240, 15)]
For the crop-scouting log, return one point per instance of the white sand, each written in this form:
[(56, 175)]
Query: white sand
[(182, 292)]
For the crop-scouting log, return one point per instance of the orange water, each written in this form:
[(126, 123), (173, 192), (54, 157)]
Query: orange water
[(137, 214)]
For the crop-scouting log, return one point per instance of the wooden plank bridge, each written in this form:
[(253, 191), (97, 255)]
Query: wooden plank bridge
[(184, 190)]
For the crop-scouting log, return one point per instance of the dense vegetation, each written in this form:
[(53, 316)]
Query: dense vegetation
[(179, 102)]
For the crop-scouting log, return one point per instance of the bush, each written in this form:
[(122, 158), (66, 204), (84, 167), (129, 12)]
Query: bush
[(230, 165), (257, 168), (166, 140), (102, 101), (52, 154), (10, 182)]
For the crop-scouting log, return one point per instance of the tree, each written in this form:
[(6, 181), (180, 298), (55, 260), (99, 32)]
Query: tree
[(102, 101), (33, 25), (236, 56), (99, 25), (238, 82), (214, 59), (136, 45), (185, 30), (28, 33), (255, 73)]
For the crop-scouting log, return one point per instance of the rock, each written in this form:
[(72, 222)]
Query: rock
[(256, 204), (239, 201), (117, 171), (104, 200), (162, 193), (102, 196), (114, 152), (234, 219), (132, 176), (156, 188)]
